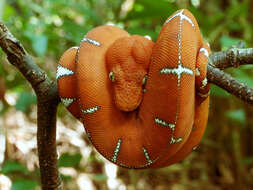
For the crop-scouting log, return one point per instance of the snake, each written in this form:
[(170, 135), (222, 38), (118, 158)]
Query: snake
[(143, 104)]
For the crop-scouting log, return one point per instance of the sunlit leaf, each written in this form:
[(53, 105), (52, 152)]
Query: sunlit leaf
[(8, 12)]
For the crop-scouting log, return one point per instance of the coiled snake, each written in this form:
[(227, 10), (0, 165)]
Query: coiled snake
[(143, 104)]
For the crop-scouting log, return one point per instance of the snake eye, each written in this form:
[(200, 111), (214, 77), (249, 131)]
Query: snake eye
[(111, 76), (144, 80)]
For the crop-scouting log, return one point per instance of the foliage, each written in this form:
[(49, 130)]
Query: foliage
[(21, 184), (67, 160), (47, 28)]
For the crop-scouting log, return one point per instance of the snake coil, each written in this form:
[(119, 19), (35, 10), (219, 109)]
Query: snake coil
[(143, 104)]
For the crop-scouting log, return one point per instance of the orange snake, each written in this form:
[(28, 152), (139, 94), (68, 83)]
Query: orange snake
[(143, 104)]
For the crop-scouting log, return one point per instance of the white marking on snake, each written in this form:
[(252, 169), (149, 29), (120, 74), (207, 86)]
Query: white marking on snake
[(149, 161), (67, 101), (90, 110), (91, 41), (175, 140), (204, 50), (75, 47), (148, 37), (179, 70), (116, 151), (147, 155), (204, 83), (182, 17), (164, 123), (63, 71), (197, 72)]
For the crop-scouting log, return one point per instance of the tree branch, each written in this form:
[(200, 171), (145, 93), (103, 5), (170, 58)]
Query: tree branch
[(234, 57), (226, 82), (47, 101), (18, 57)]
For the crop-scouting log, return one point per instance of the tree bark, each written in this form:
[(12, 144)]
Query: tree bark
[(47, 102)]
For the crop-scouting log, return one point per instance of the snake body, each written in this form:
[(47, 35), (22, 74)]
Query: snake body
[(143, 104)]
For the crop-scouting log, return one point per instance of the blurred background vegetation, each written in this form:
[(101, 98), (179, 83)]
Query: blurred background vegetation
[(224, 159)]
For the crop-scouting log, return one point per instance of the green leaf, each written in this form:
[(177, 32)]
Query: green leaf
[(23, 184), (8, 12), (142, 32), (99, 177), (237, 8), (24, 101), (80, 7), (247, 160), (243, 74), (75, 32), (237, 116), (65, 177), (36, 8), (216, 91), (226, 42), (12, 166), (143, 9), (39, 44), (68, 160)]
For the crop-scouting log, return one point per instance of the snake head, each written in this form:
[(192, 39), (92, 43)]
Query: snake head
[(127, 61)]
